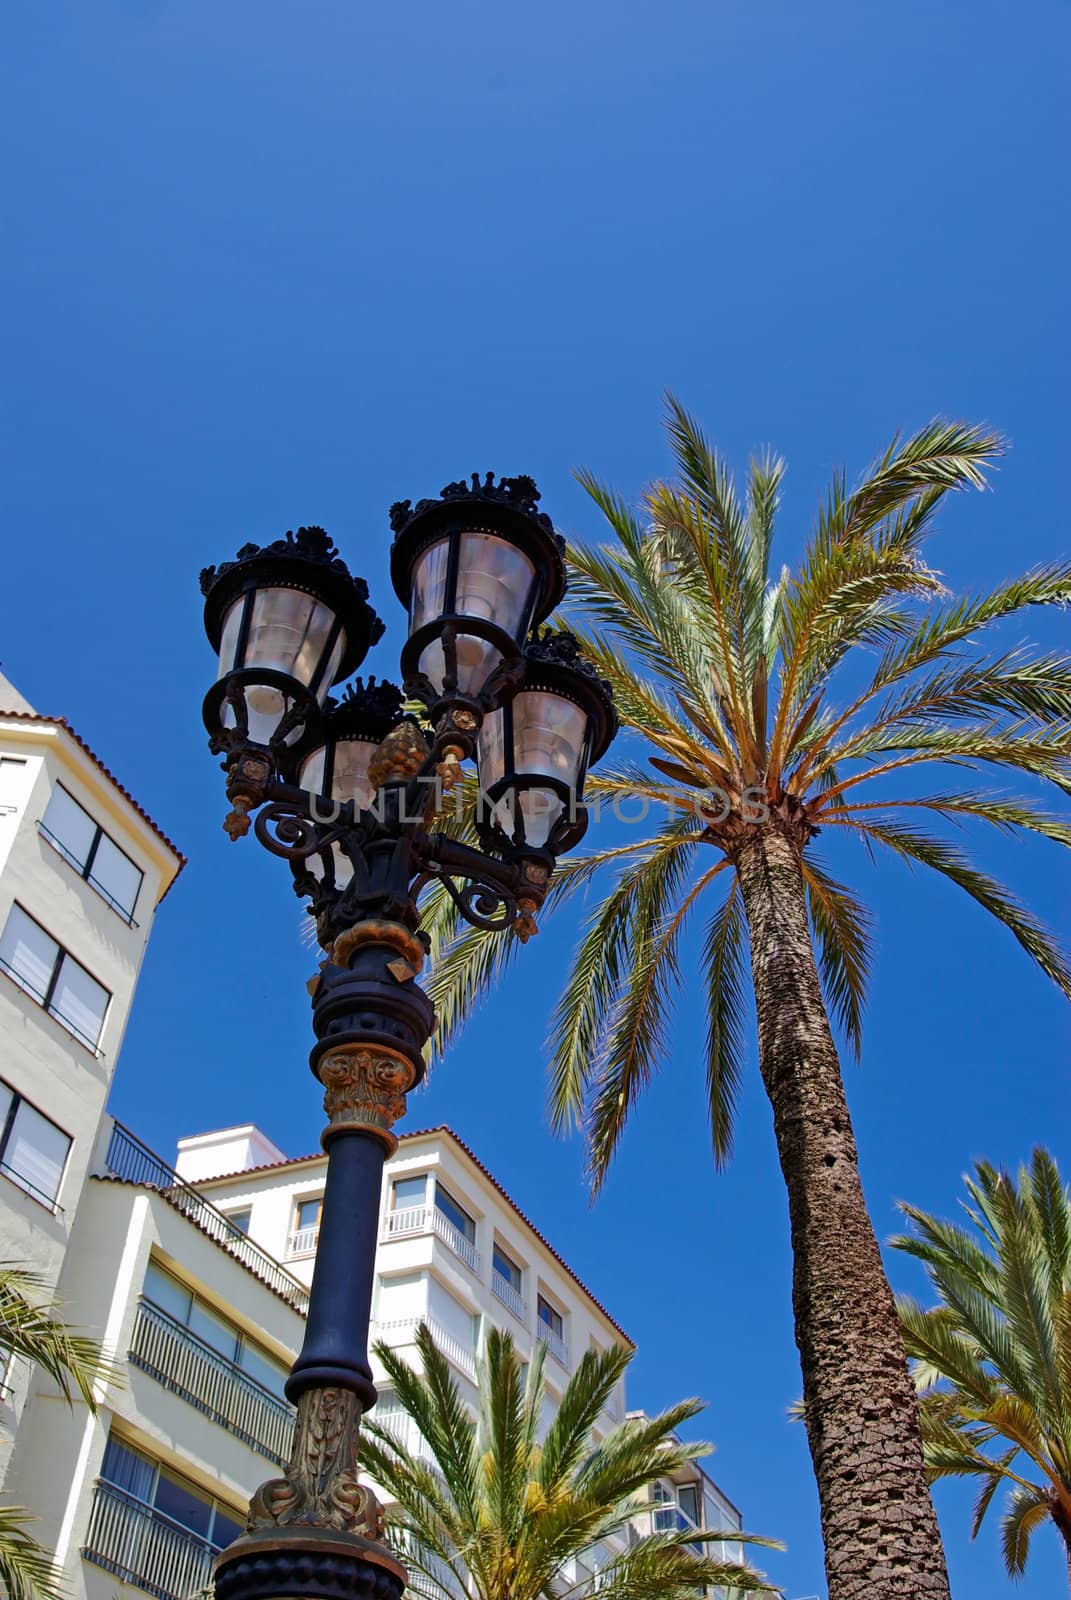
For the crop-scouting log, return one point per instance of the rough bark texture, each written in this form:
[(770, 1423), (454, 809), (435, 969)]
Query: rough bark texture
[(878, 1523)]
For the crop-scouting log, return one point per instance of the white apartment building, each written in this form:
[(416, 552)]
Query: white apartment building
[(82, 870), (195, 1277)]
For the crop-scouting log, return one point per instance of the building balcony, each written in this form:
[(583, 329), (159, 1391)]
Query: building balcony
[(140, 1546), (133, 1162), (429, 1219), (554, 1343), (187, 1366), (302, 1241), (510, 1297), (403, 1331)]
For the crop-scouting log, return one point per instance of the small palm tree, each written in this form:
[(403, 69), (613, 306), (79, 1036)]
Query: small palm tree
[(993, 1359), (34, 1332), (495, 1515), (775, 705)]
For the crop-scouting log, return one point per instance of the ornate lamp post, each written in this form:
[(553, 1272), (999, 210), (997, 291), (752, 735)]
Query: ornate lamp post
[(346, 792)]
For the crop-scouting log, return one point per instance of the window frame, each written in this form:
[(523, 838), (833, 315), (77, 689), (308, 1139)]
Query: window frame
[(410, 1205), (84, 869), (45, 1000), (27, 1186), (307, 1200), (8, 807)]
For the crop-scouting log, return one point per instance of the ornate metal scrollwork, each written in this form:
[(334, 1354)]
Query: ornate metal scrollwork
[(483, 904), (288, 833)]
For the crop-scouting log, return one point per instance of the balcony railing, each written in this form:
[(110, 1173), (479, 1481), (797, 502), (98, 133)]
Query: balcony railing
[(402, 1330), (189, 1367), (554, 1343), (302, 1241), (134, 1162), (138, 1545), (510, 1297), (429, 1219)]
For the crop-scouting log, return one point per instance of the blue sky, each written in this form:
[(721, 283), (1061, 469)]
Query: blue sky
[(272, 263)]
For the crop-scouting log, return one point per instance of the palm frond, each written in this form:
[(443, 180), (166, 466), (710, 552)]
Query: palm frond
[(27, 1570), (842, 928), (724, 953)]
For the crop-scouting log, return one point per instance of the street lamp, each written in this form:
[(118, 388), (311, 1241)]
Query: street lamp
[(346, 791)]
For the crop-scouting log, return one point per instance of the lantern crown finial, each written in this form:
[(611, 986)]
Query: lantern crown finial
[(519, 494)]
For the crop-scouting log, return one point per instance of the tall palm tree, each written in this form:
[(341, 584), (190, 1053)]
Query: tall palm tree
[(496, 1515), (772, 707), (993, 1358), (34, 1332)]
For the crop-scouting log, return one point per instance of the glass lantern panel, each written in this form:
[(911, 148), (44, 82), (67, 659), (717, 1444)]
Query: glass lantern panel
[(265, 708), (476, 660), (350, 783), (428, 598), (288, 632), (228, 643), (491, 749), (548, 736), (494, 582), (540, 810)]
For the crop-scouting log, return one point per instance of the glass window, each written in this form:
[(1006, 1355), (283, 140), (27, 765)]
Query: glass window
[(213, 1330), (92, 852), (12, 770), (240, 1219), (506, 1267), (688, 1499), (271, 1375), (167, 1293), (182, 1504), (127, 1470), (70, 826), (445, 1202), (52, 977), (406, 1192), (549, 1317), (28, 954), (79, 1001), (115, 875), (33, 1150), (308, 1212), (225, 1529)]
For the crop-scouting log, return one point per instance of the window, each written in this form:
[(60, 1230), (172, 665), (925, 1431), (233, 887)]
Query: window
[(92, 852), (185, 1308), (549, 1317), (169, 1495), (12, 771), (408, 1192), (307, 1212), (41, 967), (240, 1219), (33, 1151), (506, 1267), (445, 1202)]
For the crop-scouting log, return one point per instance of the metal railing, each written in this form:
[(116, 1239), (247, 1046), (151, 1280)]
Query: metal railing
[(141, 1546), (183, 1363), (429, 1219), (134, 1162), (302, 1241), (510, 1297), (402, 1330), (554, 1343)]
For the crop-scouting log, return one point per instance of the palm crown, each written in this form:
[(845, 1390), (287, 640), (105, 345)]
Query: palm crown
[(993, 1358), (732, 674), (484, 1511)]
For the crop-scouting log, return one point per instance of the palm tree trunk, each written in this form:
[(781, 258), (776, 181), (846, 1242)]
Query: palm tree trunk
[(878, 1523), (1063, 1522)]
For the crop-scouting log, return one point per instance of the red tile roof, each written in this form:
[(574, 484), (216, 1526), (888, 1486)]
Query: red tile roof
[(61, 722), (424, 1133)]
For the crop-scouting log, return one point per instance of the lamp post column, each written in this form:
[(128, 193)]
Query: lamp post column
[(316, 1530)]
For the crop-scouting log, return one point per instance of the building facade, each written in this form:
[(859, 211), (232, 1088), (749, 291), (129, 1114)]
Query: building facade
[(82, 870)]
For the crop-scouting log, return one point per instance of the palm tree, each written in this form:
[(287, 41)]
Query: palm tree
[(490, 1513), (773, 708), (34, 1332), (993, 1358)]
